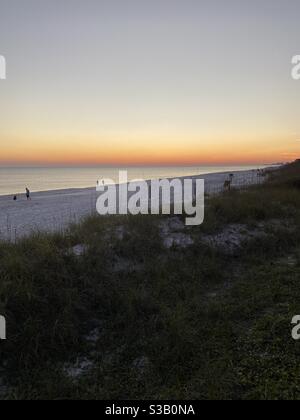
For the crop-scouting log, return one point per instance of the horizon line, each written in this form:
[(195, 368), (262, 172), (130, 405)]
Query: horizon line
[(138, 165)]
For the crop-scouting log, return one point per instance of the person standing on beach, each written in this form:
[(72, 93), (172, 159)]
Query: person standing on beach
[(28, 194)]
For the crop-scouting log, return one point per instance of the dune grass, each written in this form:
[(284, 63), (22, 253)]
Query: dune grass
[(157, 323)]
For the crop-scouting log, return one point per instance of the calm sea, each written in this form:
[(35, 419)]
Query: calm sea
[(15, 180)]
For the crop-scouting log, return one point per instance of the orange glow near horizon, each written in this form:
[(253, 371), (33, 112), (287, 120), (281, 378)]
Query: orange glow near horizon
[(163, 83), (180, 152)]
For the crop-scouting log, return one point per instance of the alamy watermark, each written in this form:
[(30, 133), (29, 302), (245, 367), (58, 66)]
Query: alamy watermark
[(296, 67), (177, 196), (296, 329), (2, 68), (2, 328)]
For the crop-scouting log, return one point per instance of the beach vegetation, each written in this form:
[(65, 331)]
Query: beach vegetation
[(106, 310)]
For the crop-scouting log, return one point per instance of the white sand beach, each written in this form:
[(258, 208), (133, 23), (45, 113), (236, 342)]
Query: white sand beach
[(52, 211)]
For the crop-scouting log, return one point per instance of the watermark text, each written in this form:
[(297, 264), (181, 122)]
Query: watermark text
[(2, 328), (296, 329), (177, 196), (296, 67), (2, 68)]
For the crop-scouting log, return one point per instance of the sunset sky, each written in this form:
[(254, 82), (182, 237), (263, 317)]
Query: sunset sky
[(149, 82)]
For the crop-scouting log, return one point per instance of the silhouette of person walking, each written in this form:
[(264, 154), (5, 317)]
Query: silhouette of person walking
[(28, 194)]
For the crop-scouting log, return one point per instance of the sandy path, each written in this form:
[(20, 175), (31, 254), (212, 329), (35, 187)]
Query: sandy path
[(55, 210)]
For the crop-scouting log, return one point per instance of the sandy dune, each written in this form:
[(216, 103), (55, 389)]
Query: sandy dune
[(55, 210)]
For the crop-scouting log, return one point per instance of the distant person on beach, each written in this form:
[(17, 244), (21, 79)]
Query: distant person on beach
[(28, 194), (15, 198), (228, 182)]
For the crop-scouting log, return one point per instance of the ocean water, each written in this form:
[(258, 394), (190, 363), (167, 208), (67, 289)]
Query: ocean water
[(14, 180)]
